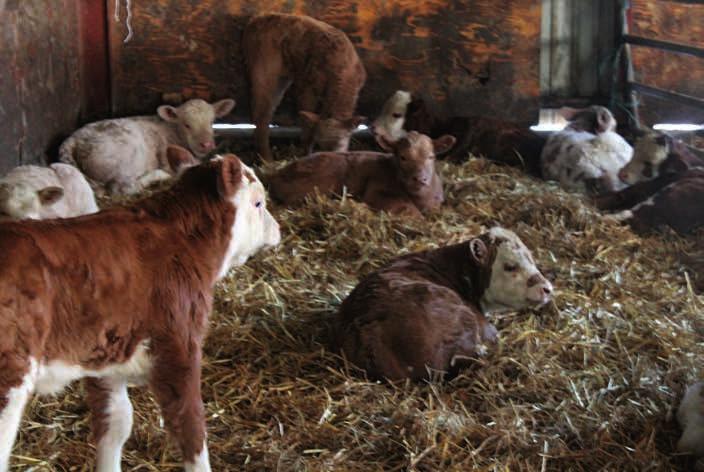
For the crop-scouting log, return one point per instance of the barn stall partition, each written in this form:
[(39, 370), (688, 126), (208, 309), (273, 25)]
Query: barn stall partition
[(587, 382)]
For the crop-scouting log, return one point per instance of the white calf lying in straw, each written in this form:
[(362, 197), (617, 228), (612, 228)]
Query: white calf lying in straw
[(587, 155), (34, 192), (690, 416), (127, 154), (130, 306)]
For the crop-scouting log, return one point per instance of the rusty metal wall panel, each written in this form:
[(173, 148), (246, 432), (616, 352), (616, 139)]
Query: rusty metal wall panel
[(673, 22), (470, 57), (39, 79)]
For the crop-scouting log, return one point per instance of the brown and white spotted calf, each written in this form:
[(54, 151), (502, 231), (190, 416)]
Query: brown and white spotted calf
[(427, 311), (125, 155), (124, 296), (405, 181), (499, 140), (36, 192), (319, 62), (587, 155)]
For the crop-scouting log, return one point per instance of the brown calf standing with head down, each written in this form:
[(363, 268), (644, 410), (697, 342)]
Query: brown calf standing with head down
[(322, 65), (403, 182), (124, 296), (426, 311)]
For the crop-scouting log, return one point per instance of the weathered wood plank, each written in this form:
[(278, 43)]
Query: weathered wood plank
[(468, 56), (39, 83), (675, 22)]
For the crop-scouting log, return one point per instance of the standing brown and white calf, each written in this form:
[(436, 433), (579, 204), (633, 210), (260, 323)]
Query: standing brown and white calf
[(124, 296), (426, 311), (322, 65), (403, 182)]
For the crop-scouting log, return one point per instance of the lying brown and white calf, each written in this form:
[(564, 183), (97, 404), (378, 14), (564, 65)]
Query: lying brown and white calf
[(666, 180), (499, 140), (323, 68), (124, 296), (403, 182), (426, 311), (126, 155), (37, 192)]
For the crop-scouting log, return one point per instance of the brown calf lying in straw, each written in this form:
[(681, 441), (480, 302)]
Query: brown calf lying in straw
[(124, 296), (426, 311), (403, 182), (323, 67)]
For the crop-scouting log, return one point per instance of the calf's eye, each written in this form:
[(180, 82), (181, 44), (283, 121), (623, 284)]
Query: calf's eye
[(396, 115), (258, 204), (510, 267)]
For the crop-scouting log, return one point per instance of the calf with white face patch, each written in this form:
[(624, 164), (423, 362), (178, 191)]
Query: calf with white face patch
[(427, 311), (389, 124), (35, 192), (126, 154), (587, 155), (130, 307)]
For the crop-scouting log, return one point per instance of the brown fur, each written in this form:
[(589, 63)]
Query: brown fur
[(88, 290), (317, 59), (501, 141), (388, 182), (421, 310)]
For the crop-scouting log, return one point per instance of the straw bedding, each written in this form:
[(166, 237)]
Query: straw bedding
[(586, 383)]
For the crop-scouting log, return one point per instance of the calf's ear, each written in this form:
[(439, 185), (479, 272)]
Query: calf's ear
[(478, 250), (309, 118), (443, 143), (50, 195), (230, 177), (223, 107), (179, 157), (167, 113), (603, 120)]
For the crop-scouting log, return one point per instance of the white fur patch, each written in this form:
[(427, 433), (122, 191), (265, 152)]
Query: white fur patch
[(254, 228), (388, 125), (11, 416), (53, 376), (119, 420), (201, 463), (690, 416)]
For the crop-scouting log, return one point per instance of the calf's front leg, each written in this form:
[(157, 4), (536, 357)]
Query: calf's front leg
[(175, 383)]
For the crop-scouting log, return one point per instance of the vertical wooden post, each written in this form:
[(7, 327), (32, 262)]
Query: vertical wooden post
[(94, 60)]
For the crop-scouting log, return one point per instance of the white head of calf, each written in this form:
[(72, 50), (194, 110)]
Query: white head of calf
[(19, 201), (649, 152), (389, 124), (194, 122), (593, 119), (253, 228), (514, 282)]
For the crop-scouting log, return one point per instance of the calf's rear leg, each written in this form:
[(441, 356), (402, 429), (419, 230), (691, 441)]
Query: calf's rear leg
[(112, 420), (12, 403)]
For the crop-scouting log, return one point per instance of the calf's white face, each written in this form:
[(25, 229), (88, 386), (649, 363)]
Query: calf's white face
[(254, 228), (515, 281), (194, 121), (649, 152), (389, 123), (20, 202), (690, 416)]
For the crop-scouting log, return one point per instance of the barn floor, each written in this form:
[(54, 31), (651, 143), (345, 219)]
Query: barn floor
[(587, 383)]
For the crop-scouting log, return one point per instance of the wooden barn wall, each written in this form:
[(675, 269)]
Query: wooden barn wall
[(39, 78), (468, 56), (675, 22)]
